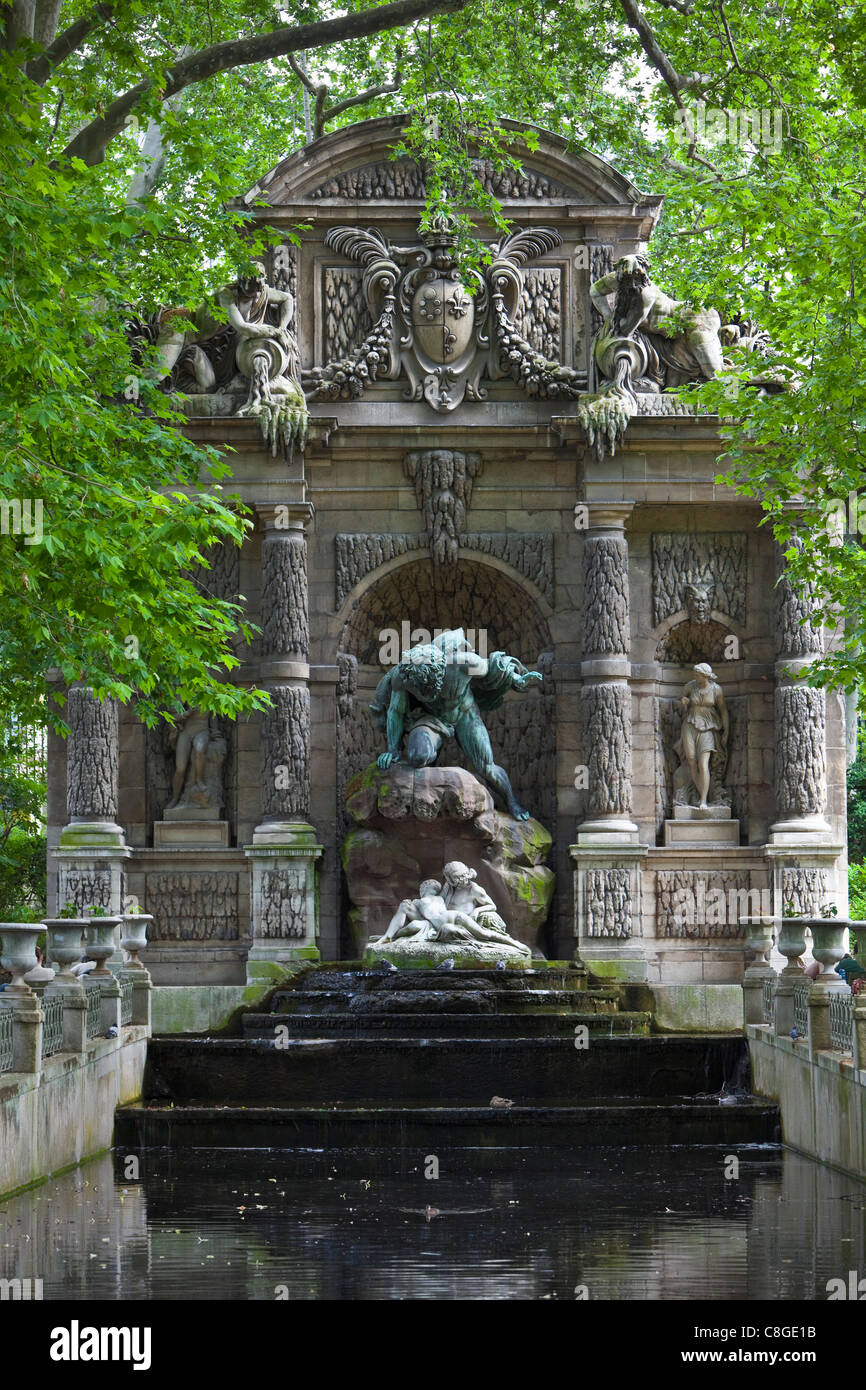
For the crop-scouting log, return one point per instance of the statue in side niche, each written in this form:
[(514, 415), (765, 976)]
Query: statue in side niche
[(438, 691), (703, 743), (199, 754)]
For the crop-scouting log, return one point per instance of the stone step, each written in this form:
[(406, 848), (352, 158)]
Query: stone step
[(511, 981), (412, 1132), (471, 1069), (432, 1001), (500, 1024)]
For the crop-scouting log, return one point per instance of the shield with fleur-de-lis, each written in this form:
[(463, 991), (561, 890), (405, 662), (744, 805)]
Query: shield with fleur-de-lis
[(443, 318)]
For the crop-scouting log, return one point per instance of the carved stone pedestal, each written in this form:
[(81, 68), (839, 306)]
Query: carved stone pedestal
[(607, 894), (285, 924), (693, 827), (206, 833)]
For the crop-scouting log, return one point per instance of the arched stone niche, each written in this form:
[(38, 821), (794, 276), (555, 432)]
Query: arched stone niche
[(499, 609)]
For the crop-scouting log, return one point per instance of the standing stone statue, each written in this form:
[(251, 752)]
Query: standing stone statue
[(703, 743), (199, 754), (438, 691)]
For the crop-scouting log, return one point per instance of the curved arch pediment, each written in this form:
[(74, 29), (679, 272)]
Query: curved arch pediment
[(355, 164)]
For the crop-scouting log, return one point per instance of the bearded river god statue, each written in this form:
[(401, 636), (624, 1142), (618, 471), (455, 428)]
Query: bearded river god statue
[(438, 691), (649, 344)]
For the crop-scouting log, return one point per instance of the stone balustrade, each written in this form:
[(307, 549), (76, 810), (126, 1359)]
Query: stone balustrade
[(68, 1022), (824, 1021)]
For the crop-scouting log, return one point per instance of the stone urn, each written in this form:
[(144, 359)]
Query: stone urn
[(828, 947), (791, 943), (133, 937), (19, 955), (99, 935), (65, 938), (759, 942)]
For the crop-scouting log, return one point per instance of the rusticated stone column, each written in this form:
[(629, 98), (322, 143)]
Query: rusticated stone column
[(801, 856), (92, 758), (800, 715), (605, 671), (284, 849), (92, 849), (607, 854)]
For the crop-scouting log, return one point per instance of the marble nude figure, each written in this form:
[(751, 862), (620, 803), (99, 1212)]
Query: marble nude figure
[(461, 910)]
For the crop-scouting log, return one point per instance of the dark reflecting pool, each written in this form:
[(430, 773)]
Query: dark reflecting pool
[(619, 1224)]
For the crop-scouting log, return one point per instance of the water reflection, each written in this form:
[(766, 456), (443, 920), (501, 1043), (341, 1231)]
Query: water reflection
[(625, 1224)]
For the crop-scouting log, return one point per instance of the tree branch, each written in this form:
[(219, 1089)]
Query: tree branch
[(301, 72), (319, 111), (368, 95), (677, 82), (90, 143), (39, 69)]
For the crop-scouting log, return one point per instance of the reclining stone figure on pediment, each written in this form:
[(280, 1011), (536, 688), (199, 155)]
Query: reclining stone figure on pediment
[(251, 352)]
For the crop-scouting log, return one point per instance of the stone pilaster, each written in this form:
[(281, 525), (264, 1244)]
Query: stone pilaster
[(92, 848), (802, 858), (284, 851), (607, 854), (605, 671), (800, 717)]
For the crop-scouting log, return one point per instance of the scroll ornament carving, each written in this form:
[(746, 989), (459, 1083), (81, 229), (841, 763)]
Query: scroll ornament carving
[(537, 375)]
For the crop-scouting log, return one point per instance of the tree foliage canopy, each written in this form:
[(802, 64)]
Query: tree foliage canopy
[(128, 127)]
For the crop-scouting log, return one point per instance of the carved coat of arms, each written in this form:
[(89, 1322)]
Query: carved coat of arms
[(438, 323)]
